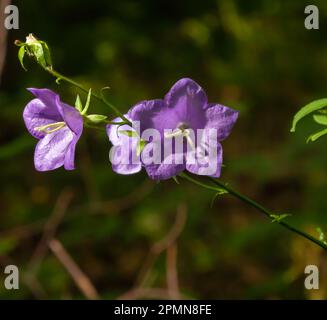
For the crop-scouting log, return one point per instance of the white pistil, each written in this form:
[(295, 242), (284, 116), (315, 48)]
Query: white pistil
[(51, 127)]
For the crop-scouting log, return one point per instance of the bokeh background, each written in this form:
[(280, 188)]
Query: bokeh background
[(125, 236)]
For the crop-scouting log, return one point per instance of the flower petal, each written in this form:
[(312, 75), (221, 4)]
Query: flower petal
[(188, 101), (71, 116), (222, 119), (158, 168), (50, 151), (125, 161), (123, 155), (163, 171), (41, 111), (153, 114), (47, 96), (113, 131), (69, 162), (207, 163)]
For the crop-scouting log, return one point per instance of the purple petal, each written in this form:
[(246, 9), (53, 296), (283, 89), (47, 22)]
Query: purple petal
[(222, 119), (163, 171), (208, 164), (153, 114), (41, 111), (158, 168), (124, 165), (123, 154), (69, 162), (47, 96), (71, 116), (188, 101), (113, 131), (50, 152), (184, 103)]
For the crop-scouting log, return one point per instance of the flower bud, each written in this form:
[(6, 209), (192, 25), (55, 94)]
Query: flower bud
[(34, 48)]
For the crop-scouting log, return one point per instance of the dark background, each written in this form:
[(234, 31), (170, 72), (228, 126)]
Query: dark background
[(254, 56)]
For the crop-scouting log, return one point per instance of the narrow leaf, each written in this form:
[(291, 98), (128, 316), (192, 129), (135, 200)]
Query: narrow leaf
[(21, 54), (87, 104), (78, 104), (309, 108), (317, 135), (47, 55), (320, 118)]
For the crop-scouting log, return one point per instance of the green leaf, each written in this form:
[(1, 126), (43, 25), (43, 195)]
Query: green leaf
[(96, 118), (46, 52), (129, 133), (317, 135), (309, 108), (78, 104), (21, 54), (87, 104), (320, 118), (37, 51)]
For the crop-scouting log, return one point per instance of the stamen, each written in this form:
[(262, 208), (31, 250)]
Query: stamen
[(181, 132), (51, 127), (188, 138), (175, 133)]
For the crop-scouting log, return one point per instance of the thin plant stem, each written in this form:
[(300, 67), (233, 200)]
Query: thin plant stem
[(60, 76), (273, 217)]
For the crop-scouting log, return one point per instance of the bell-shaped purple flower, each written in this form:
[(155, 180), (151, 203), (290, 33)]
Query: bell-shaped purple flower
[(185, 109), (58, 127), (183, 114)]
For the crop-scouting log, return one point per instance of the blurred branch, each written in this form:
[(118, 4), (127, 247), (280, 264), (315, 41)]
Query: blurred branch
[(79, 277), (167, 243), (24, 231), (50, 228), (172, 275), (163, 244)]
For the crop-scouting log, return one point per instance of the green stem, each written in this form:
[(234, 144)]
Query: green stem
[(95, 95), (254, 204)]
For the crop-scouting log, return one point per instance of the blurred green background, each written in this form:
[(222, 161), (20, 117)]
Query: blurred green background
[(254, 56)]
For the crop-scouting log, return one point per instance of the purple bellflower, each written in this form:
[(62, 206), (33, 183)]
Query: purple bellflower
[(185, 109), (57, 126)]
